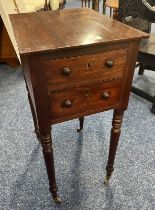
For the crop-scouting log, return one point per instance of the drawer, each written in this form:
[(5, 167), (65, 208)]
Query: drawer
[(85, 69), (84, 99)]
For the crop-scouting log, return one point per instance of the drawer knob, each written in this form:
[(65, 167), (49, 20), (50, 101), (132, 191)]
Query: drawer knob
[(68, 103), (105, 95), (109, 63), (66, 71)]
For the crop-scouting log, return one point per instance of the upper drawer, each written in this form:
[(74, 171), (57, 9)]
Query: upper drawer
[(67, 72)]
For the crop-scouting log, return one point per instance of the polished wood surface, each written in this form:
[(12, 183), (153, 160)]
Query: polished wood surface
[(76, 62), (81, 99), (85, 69), (89, 28)]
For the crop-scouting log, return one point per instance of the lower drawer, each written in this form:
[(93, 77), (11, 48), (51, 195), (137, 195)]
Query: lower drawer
[(84, 99)]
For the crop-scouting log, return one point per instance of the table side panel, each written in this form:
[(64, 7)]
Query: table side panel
[(27, 76), (128, 76), (40, 92)]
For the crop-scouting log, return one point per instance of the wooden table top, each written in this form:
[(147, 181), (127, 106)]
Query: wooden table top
[(70, 28)]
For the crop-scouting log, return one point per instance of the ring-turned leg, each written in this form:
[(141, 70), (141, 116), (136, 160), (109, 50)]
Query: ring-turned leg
[(115, 134), (46, 143), (81, 120)]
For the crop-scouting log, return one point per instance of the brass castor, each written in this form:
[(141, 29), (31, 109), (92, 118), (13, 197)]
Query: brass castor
[(57, 199), (106, 180)]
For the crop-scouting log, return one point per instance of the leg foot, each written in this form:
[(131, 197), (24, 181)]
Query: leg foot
[(46, 142), (109, 169), (106, 180), (81, 119), (57, 199)]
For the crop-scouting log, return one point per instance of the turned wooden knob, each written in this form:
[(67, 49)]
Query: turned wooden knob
[(66, 71), (109, 63), (68, 103), (105, 95)]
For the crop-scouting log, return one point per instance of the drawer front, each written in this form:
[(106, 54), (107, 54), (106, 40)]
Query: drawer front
[(85, 69), (85, 98)]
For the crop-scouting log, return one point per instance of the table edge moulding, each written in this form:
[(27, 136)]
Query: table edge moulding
[(76, 62)]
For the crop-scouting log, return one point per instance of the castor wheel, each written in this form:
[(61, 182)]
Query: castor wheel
[(106, 180), (57, 199)]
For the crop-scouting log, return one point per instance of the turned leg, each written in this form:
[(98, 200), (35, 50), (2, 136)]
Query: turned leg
[(115, 134), (46, 143), (81, 120)]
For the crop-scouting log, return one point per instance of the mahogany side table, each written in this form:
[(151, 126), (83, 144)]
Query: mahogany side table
[(76, 62)]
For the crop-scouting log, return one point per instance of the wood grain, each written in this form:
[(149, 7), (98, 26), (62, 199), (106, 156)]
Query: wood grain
[(84, 98), (85, 69), (90, 27)]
